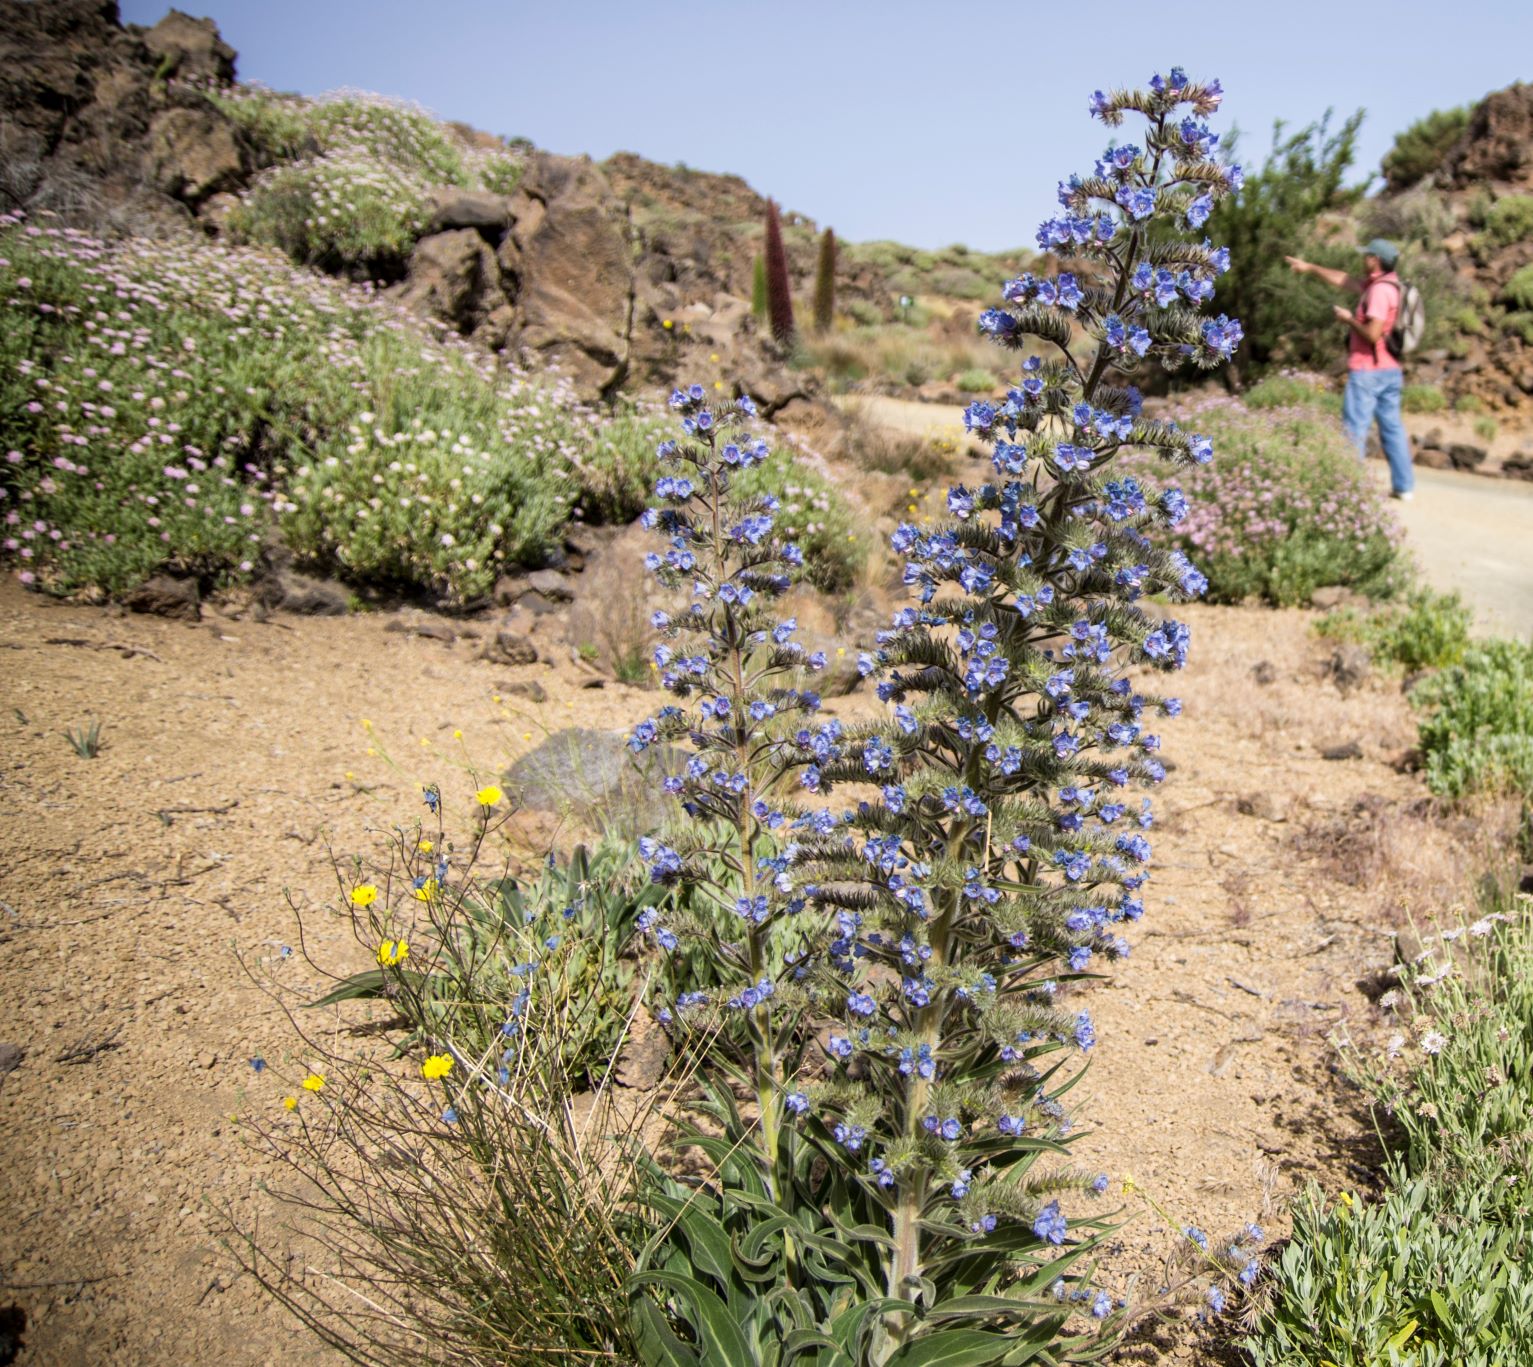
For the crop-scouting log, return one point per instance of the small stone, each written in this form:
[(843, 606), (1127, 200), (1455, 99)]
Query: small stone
[(1263, 806), (165, 596), (308, 597), (552, 585), (11, 1056), (1349, 667), (509, 648), (530, 689), (1264, 672), (206, 1060), (431, 631), (1351, 750)]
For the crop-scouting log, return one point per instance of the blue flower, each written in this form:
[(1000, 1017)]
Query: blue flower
[(997, 323), (1049, 1225)]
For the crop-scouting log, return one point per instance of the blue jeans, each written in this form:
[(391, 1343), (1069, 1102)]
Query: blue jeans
[(1374, 394)]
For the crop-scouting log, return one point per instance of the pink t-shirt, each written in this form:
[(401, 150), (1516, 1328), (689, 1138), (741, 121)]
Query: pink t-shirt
[(1380, 299)]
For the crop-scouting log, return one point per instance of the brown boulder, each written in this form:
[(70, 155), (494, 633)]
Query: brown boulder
[(454, 277), (509, 648), (192, 154), (189, 49), (165, 596), (568, 251), (1498, 144), (488, 214)]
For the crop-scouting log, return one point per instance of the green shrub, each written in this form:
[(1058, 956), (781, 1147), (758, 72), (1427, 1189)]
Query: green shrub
[(617, 472), (1428, 630), (1469, 403), (338, 211), (228, 397), (1519, 324), (976, 381), (1468, 319), (1283, 508), (1518, 291), (1426, 1277), (1275, 215), (1439, 1272), (1423, 398), (1419, 150), (427, 486), (1486, 428), (1478, 732), (1507, 220), (501, 173), (1281, 391), (277, 127), (396, 133)]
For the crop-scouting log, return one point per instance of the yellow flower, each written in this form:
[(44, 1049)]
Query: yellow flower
[(438, 1065), (718, 384), (489, 795), (291, 1102), (910, 507), (364, 895), (840, 650), (425, 847), (1345, 1197), (915, 493), (1128, 1186), (349, 775), (426, 891), (713, 356), (667, 325), (392, 952), (457, 735), (526, 735), (366, 725), (313, 1083)]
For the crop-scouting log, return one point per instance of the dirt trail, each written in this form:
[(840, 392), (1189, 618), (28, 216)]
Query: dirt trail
[(234, 752), (1469, 532)]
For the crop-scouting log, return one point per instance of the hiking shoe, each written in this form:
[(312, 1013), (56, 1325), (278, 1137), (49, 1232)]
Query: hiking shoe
[(1404, 495)]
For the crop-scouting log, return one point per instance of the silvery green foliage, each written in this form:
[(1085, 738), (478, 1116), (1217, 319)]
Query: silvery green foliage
[(892, 972)]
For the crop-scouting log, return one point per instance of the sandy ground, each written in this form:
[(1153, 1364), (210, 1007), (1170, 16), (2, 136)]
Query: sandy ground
[(234, 755), (1468, 532)]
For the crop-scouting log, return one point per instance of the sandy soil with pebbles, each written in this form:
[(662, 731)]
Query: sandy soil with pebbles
[(234, 758)]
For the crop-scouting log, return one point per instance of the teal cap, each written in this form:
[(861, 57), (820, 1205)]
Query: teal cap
[(1387, 252)]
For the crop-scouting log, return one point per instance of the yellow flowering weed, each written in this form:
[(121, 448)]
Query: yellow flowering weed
[(438, 1065), (313, 1083), (392, 952), (489, 795), (364, 895)]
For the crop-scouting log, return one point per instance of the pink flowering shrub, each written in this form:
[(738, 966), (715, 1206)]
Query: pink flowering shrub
[(1286, 509)]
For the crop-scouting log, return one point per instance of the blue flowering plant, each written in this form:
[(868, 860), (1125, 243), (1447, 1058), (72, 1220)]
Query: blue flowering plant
[(894, 971)]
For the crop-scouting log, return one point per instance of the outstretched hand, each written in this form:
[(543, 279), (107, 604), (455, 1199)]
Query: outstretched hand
[(1342, 312), (1297, 264)]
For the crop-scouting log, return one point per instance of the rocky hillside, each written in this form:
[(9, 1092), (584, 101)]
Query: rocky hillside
[(1471, 221), (622, 274)]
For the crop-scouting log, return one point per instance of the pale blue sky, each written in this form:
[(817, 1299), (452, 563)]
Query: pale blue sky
[(929, 123)]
